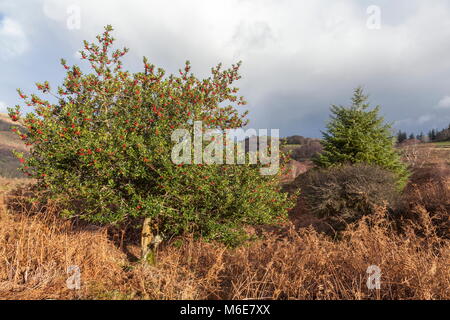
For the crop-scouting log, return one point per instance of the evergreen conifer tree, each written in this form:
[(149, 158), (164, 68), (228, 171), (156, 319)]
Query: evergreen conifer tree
[(357, 134)]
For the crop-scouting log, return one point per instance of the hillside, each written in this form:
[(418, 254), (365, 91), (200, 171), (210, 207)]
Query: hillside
[(9, 142)]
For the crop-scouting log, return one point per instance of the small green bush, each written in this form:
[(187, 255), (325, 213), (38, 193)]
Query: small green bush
[(344, 194)]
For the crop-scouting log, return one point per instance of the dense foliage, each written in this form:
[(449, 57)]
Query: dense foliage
[(344, 194), (358, 135), (104, 148)]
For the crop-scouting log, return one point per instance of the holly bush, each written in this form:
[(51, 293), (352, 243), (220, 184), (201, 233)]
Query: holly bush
[(103, 146)]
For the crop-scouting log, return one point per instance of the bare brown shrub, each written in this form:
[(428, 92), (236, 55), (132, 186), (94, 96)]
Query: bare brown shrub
[(428, 191), (344, 194), (308, 150)]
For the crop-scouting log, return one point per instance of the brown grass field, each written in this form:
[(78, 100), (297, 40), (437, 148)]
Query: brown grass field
[(293, 262)]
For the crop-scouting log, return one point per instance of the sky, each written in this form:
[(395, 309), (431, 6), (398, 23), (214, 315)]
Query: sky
[(298, 57)]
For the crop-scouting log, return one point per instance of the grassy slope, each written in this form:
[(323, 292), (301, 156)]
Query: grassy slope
[(444, 144), (8, 142)]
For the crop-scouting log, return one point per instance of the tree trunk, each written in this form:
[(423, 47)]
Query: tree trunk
[(146, 242)]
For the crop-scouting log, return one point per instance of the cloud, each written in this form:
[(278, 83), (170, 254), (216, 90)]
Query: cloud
[(3, 107), (425, 118), (13, 41), (77, 55), (252, 36), (444, 103), (299, 57), (424, 122), (55, 9)]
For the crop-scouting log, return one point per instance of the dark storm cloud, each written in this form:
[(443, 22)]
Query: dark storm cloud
[(299, 57)]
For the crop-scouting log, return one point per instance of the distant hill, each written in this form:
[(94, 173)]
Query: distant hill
[(302, 148), (8, 142)]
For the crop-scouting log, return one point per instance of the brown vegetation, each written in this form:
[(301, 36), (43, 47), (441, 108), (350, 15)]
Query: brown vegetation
[(429, 191), (344, 194), (37, 248), (295, 262), (294, 169)]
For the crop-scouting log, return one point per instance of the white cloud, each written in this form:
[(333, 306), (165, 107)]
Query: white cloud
[(298, 56), (77, 55), (3, 107), (13, 40), (425, 118), (55, 9), (444, 103)]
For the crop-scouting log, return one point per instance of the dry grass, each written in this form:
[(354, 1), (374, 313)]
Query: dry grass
[(296, 262), (36, 248), (306, 265), (425, 154)]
